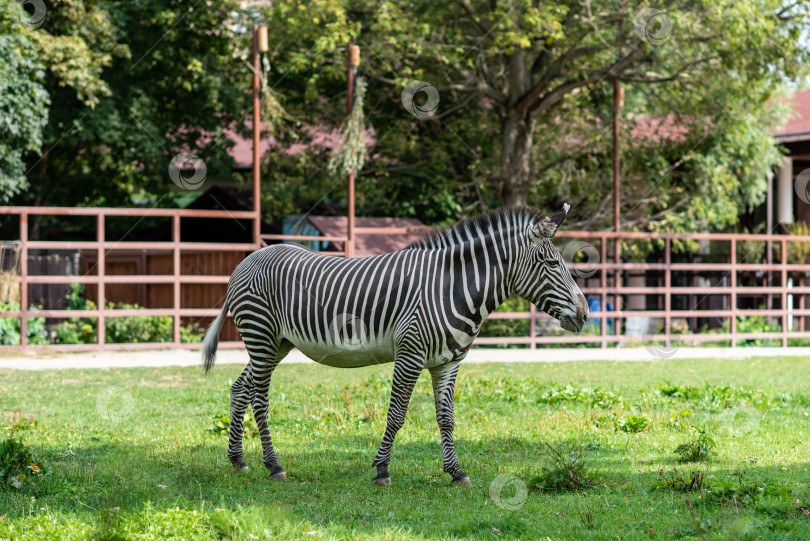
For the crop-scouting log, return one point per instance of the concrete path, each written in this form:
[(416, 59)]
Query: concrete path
[(184, 357)]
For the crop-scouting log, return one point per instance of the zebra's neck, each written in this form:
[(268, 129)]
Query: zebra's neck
[(483, 267)]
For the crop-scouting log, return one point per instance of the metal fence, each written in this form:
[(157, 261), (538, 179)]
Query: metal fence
[(675, 284)]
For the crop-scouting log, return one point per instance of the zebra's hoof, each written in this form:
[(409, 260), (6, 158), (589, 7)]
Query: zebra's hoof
[(278, 474), (462, 481), (383, 478), (239, 466)]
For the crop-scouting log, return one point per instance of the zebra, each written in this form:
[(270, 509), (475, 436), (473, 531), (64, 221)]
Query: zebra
[(420, 307)]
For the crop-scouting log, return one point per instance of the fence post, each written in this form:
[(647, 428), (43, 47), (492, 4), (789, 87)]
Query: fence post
[(176, 283), (783, 284), (733, 283), (100, 237), (603, 286), (23, 279), (668, 289)]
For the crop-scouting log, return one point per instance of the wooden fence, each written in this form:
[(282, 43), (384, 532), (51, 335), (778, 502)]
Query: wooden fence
[(715, 285)]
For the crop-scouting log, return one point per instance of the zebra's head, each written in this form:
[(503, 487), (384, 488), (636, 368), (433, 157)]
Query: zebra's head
[(543, 277)]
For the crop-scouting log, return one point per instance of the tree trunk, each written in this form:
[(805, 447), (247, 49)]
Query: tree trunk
[(516, 152), (517, 128)]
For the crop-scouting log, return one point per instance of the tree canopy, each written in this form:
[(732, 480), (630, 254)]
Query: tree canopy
[(469, 105)]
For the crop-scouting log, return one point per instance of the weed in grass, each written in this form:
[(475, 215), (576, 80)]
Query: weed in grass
[(633, 424), (733, 489), (679, 420), (221, 423), (567, 471), (21, 421), (722, 396), (592, 397), (17, 465), (700, 448)]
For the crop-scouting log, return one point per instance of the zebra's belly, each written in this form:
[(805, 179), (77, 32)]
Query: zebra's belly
[(348, 355)]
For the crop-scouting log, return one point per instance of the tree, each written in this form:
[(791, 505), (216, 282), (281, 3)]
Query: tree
[(526, 87), (131, 86), (23, 102)]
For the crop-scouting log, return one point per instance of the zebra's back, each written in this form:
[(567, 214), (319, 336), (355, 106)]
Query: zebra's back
[(339, 312)]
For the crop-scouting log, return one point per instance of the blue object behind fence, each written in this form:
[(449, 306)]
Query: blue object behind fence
[(595, 324)]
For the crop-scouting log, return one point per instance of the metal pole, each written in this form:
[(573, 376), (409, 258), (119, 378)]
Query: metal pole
[(618, 99), (23, 280), (352, 61), (617, 247), (256, 138)]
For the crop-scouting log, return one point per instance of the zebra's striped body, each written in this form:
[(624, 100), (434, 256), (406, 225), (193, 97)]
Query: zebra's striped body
[(420, 308)]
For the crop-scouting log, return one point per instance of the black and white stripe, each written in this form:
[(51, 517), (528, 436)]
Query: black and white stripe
[(420, 307)]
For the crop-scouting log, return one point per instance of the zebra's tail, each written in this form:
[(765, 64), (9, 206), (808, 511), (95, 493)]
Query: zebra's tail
[(211, 340)]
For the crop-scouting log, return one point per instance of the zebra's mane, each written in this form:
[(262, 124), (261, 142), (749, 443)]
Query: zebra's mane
[(469, 228)]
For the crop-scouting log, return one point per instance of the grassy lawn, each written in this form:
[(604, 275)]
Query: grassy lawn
[(135, 454)]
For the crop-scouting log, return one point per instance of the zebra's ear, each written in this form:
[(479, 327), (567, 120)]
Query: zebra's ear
[(547, 226)]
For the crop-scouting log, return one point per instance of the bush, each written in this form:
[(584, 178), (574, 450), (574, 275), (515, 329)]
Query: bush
[(16, 465), (566, 472), (698, 449), (119, 330), (10, 327)]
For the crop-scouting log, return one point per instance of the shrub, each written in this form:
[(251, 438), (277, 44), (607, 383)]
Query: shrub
[(633, 424), (733, 489), (10, 327), (567, 471), (698, 449), (119, 330), (16, 465)]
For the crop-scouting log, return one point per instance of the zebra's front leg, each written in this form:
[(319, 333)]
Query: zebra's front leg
[(444, 385), (240, 398), (406, 372)]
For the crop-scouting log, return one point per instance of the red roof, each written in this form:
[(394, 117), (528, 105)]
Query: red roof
[(798, 124), (335, 226)]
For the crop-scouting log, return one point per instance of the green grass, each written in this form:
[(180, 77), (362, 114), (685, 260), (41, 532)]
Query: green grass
[(156, 472)]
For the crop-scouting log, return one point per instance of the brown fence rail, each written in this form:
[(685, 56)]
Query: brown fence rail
[(667, 287)]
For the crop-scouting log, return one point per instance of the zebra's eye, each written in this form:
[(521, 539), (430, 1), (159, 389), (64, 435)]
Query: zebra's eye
[(553, 263)]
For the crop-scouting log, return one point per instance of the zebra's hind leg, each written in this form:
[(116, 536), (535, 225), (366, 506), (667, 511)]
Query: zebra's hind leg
[(444, 385), (240, 398), (264, 359), (406, 372)]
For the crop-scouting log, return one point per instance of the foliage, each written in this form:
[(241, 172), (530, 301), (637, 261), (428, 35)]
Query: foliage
[(10, 327), (700, 448), (733, 489), (723, 396), (220, 424), (17, 465), (23, 101), (593, 397), (350, 156), (633, 424), (525, 96), (567, 471), (130, 86)]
